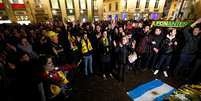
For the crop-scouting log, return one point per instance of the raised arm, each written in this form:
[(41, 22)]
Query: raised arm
[(68, 67), (196, 22)]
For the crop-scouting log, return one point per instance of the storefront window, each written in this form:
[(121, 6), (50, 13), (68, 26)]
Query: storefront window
[(116, 17), (109, 17), (124, 16)]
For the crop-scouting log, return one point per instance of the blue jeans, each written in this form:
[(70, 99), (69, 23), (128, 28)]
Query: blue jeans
[(164, 61), (151, 60), (88, 64)]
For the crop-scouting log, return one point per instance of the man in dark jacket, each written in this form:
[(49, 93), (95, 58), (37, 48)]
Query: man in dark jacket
[(152, 48), (190, 48), (122, 58), (195, 73), (168, 45)]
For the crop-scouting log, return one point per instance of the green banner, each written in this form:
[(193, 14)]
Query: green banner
[(170, 23)]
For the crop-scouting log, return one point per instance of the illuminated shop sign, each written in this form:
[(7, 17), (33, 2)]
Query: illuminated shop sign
[(18, 6), (1, 5)]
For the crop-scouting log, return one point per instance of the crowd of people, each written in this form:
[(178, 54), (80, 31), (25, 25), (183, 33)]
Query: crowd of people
[(39, 61)]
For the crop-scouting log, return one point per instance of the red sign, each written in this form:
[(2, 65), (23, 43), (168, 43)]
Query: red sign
[(1, 5), (20, 12), (18, 6)]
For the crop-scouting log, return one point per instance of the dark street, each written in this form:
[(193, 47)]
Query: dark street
[(97, 89)]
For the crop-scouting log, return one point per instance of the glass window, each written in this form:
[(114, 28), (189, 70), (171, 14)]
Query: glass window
[(104, 8), (95, 4), (38, 3), (55, 4), (1, 1), (138, 4), (125, 4), (147, 4), (156, 4), (110, 6), (17, 1), (116, 6), (69, 4), (83, 4)]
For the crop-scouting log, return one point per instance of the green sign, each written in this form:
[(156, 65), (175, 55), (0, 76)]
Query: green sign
[(170, 23), (2, 12)]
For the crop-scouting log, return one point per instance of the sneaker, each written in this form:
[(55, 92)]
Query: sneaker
[(111, 76), (165, 73), (104, 77), (156, 72)]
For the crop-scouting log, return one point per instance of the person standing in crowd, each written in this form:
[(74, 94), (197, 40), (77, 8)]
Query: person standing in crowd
[(105, 55), (86, 49), (142, 46), (115, 40), (29, 86), (43, 43), (115, 35), (121, 31), (132, 55), (74, 55), (122, 58), (25, 46), (138, 31), (73, 48), (168, 46), (56, 49), (195, 73), (95, 40), (153, 48), (188, 53), (141, 34), (56, 86)]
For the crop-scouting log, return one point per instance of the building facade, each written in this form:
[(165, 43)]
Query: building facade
[(184, 10), (82, 10), (26, 11), (133, 9), (34, 11)]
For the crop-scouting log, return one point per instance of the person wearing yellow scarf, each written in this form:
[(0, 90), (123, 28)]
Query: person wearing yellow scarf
[(72, 40), (86, 49), (105, 58)]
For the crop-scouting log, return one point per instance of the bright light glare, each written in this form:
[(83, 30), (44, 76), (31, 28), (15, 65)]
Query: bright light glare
[(24, 22), (84, 20), (5, 21)]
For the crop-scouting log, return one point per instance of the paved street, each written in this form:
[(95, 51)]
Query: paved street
[(97, 89)]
